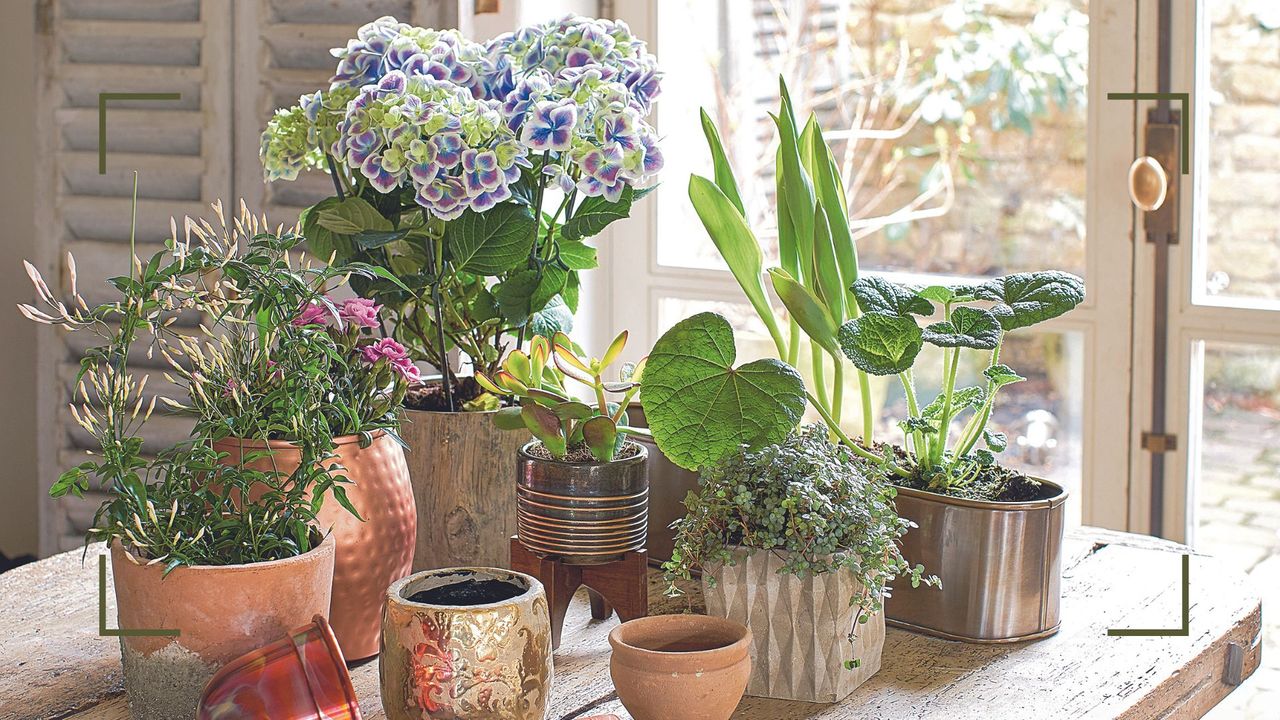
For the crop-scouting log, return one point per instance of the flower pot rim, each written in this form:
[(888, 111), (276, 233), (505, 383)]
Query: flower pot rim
[(335, 652), (636, 459), (327, 544), (396, 590), (256, 443), (1051, 502), (725, 652), (435, 380)]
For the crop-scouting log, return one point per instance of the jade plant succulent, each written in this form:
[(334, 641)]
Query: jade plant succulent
[(887, 338), (556, 418)]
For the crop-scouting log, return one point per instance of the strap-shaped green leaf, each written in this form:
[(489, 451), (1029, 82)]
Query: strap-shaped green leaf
[(830, 193), (700, 407), (720, 162), (1025, 299), (830, 288), (807, 309), (881, 344), (968, 327), (491, 242), (738, 246)]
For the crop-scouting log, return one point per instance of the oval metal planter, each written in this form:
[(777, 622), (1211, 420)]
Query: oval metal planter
[(1000, 565)]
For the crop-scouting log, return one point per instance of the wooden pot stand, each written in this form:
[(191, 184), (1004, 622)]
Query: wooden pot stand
[(621, 585)]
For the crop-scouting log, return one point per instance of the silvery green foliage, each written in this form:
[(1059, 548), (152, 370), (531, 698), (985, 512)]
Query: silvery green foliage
[(806, 498)]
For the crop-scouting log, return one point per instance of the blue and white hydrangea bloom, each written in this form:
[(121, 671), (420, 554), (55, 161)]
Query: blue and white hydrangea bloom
[(454, 150), (458, 120), (581, 89), (386, 45)]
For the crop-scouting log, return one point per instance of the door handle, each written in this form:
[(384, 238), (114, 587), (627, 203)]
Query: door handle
[(1148, 184)]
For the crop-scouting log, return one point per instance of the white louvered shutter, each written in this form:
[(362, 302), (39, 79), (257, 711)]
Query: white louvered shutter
[(233, 62)]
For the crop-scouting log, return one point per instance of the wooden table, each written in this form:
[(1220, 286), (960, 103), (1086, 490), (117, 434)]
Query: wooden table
[(53, 664)]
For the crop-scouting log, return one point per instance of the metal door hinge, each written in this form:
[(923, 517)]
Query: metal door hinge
[(1162, 144), (1159, 442)]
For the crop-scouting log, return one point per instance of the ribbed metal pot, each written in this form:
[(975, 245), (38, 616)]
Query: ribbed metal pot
[(1000, 564), (582, 513)]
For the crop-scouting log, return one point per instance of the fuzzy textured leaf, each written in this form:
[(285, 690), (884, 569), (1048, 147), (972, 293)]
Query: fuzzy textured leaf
[(1024, 299), (968, 327), (701, 408), (881, 344), (877, 295)]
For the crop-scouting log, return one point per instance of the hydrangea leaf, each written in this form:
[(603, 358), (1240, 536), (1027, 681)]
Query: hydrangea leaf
[(701, 408), (351, 216), (877, 295), (491, 242), (554, 317), (1024, 299), (578, 255), (881, 344), (968, 328), (597, 213)]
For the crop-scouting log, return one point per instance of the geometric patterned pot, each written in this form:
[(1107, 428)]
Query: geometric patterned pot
[(800, 627)]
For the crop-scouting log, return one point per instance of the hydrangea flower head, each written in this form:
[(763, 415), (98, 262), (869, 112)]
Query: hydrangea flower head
[(387, 45)]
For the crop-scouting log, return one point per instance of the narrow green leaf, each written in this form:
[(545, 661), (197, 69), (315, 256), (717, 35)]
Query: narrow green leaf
[(807, 309), (723, 169), (830, 288)]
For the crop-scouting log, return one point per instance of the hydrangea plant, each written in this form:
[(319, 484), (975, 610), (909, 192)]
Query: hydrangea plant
[(474, 173)]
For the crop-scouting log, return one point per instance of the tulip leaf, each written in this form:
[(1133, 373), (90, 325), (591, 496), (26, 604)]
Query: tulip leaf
[(700, 407), (806, 308), (723, 170)]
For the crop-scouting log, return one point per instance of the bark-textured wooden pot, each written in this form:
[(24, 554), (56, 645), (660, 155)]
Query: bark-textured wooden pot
[(462, 468), (800, 627), (466, 644), (222, 612)]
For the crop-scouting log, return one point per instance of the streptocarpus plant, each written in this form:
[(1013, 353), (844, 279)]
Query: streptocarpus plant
[(887, 338), (557, 419)]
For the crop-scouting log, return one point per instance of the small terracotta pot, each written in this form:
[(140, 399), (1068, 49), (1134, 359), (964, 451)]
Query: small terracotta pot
[(299, 677), (691, 667), (221, 613), (370, 554), (466, 659)]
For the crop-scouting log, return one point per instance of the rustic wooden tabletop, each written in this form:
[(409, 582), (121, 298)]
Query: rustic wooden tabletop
[(53, 664)]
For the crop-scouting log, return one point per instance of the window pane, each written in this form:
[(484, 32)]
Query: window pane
[(1237, 470), (1042, 416), (960, 131), (1240, 240)]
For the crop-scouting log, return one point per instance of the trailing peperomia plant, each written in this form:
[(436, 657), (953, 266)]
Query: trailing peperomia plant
[(887, 339), (810, 501), (563, 424), (475, 174)]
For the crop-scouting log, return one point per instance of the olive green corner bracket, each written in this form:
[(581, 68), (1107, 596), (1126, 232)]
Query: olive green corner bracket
[(103, 630), (103, 98), (1183, 631), (1184, 99)]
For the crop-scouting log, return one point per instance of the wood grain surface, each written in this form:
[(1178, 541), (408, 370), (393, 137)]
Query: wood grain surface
[(54, 665)]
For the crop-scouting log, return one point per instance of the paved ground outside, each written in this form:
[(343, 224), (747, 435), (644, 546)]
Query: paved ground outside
[(1239, 521)]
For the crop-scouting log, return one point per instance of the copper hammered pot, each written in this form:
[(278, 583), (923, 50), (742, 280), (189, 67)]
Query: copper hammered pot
[(460, 651), (370, 554), (221, 612)]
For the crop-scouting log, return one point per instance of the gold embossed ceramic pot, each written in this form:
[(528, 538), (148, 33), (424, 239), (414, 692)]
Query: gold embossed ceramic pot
[(372, 550), (466, 644)]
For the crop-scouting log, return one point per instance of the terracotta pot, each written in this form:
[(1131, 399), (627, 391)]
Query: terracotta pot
[(300, 677), (462, 468), (691, 667), (371, 554), (462, 652), (801, 627), (221, 613)]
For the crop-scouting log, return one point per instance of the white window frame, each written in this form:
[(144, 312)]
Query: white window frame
[(624, 292)]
